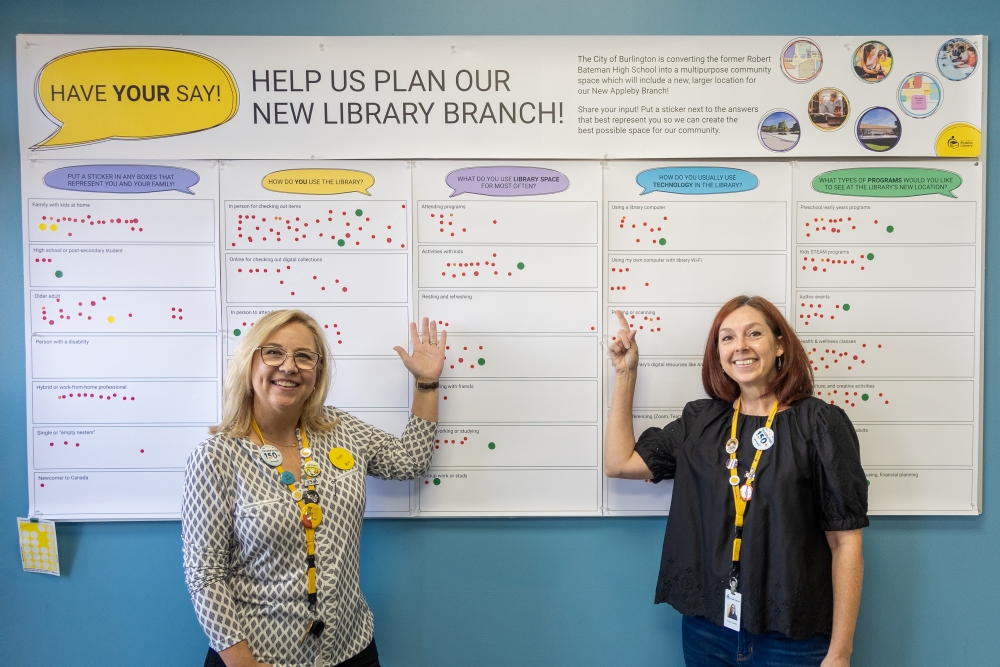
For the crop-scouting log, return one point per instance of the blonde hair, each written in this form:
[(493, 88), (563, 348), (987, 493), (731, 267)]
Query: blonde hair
[(237, 392)]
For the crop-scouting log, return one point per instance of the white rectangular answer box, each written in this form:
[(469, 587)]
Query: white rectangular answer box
[(901, 400), (510, 445), (510, 267), (884, 311), (695, 278), (124, 311), (887, 266), (747, 226), (502, 222), (125, 402), (523, 491), (140, 357), (98, 494), (665, 330), (541, 401), (638, 496), (476, 311), (887, 356), (121, 220), (889, 222), (126, 266), (114, 447), (922, 491), (515, 356), (671, 381), (907, 445)]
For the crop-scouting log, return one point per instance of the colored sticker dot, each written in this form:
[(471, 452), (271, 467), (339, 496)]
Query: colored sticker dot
[(492, 445), (864, 397), (59, 274), (482, 361), (520, 265), (236, 332), (437, 481), (847, 306), (870, 256), (663, 242), (42, 226), (111, 319), (889, 229), (341, 243), (359, 212)]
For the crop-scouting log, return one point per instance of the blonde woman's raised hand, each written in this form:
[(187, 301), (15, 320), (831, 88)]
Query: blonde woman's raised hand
[(427, 358), (623, 351)]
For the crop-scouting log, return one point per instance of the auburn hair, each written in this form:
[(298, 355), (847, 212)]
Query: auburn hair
[(793, 381)]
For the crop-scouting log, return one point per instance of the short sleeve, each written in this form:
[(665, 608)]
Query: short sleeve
[(841, 485), (657, 446)]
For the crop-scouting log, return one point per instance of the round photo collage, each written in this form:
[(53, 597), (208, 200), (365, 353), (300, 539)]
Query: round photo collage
[(877, 129)]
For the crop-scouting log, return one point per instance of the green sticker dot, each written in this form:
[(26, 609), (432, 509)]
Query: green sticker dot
[(847, 306), (870, 256), (58, 274), (864, 397), (868, 482), (482, 361), (520, 265), (236, 332), (437, 481), (889, 229), (492, 445), (341, 243), (359, 213), (663, 242)]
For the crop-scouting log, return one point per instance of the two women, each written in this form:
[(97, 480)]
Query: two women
[(273, 502), (769, 498)]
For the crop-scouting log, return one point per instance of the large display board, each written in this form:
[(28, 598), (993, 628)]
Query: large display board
[(146, 260)]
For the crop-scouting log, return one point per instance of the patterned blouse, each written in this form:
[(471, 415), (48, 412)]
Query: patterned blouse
[(245, 550)]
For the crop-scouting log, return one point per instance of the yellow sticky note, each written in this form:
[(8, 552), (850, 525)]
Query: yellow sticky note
[(39, 551)]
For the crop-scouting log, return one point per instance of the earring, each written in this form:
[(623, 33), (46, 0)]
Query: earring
[(779, 362)]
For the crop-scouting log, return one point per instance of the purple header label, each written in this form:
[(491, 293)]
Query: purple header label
[(122, 178), (503, 181)]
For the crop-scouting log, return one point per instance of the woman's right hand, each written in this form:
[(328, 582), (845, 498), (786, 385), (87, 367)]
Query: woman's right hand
[(622, 350)]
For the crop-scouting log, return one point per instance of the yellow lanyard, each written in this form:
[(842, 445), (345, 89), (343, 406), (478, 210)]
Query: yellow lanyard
[(742, 495), (309, 513)]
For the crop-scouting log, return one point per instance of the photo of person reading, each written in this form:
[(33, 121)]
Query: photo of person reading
[(872, 62)]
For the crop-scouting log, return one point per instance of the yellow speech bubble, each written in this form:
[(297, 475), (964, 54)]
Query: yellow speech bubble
[(959, 140), (133, 93), (318, 181)]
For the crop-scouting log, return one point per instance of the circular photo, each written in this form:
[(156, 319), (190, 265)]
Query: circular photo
[(879, 129), (779, 131), (958, 59), (919, 95), (801, 60), (872, 62), (829, 109)]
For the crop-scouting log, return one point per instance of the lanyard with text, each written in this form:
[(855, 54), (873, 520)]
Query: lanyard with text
[(763, 438)]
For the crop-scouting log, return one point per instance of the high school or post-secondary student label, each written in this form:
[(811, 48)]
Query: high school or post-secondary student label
[(763, 438), (341, 458), (271, 455), (732, 610)]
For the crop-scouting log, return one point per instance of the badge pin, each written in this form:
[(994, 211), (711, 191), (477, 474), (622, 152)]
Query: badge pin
[(732, 463), (287, 478), (746, 493), (296, 494), (763, 438), (270, 455), (341, 458), (311, 469), (734, 480), (312, 515), (732, 445), (310, 496), (750, 476), (306, 452)]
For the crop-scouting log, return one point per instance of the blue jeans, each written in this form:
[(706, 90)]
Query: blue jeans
[(709, 645)]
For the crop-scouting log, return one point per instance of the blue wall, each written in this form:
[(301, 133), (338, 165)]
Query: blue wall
[(475, 592)]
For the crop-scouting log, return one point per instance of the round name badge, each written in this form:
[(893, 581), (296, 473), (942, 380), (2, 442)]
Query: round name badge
[(341, 458), (763, 438), (296, 494), (271, 455), (734, 480), (306, 452), (732, 463), (287, 478), (312, 515), (732, 445), (746, 493), (310, 496), (311, 469)]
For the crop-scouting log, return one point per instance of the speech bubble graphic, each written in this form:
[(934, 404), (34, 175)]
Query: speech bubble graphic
[(506, 181), (122, 178), (318, 181), (887, 182), (133, 93), (695, 180)]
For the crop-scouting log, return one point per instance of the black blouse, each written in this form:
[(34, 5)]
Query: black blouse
[(809, 482)]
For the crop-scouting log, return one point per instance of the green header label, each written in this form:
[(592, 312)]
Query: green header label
[(887, 182)]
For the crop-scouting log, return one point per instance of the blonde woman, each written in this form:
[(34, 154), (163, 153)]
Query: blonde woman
[(273, 502)]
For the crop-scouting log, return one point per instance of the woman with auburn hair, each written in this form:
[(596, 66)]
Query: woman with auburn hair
[(273, 502), (769, 499)]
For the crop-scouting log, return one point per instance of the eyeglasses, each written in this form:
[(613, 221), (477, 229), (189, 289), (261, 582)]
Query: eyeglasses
[(275, 356)]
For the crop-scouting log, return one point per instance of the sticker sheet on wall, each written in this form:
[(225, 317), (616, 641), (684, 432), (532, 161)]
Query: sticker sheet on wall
[(39, 551)]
